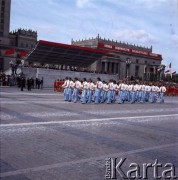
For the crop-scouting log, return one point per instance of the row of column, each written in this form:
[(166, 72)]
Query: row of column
[(110, 67)]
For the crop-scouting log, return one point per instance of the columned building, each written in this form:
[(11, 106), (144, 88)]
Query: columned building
[(126, 60)]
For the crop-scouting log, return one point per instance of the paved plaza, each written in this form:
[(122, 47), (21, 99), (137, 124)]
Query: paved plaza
[(45, 138)]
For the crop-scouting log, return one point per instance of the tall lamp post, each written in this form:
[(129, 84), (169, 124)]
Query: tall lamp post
[(128, 62), (11, 63)]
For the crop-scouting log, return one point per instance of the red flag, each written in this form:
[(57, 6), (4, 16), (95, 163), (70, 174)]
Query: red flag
[(174, 72), (167, 71), (10, 52)]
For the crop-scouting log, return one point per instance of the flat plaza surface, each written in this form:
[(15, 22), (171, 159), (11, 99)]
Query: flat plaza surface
[(45, 138)]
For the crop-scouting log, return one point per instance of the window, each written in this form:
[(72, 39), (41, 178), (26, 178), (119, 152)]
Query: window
[(153, 62), (27, 45), (21, 44), (145, 62), (137, 61), (136, 71)]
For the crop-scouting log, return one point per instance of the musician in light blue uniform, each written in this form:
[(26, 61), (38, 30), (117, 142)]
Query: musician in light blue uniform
[(69, 92), (84, 91), (103, 93), (114, 91), (65, 86), (109, 93), (134, 93), (122, 93), (90, 89), (97, 93), (77, 86), (143, 93), (153, 94), (162, 90)]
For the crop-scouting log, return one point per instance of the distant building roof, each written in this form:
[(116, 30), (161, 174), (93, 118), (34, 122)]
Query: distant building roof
[(57, 53)]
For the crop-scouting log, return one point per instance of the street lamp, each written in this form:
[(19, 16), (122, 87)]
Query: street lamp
[(11, 63), (128, 62)]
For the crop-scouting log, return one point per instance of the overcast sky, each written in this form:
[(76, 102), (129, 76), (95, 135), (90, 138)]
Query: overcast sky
[(140, 22)]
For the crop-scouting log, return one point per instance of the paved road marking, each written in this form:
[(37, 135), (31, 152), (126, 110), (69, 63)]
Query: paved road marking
[(39, 101), (27, 93), (86, 160), (86, 120), (39, 115)]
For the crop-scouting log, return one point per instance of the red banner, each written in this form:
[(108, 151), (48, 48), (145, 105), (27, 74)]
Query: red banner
[(10, 52), (128, 50), (22, 54)]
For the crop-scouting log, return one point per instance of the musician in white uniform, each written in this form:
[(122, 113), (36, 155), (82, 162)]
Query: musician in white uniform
[(153, 93), (76, 87), (70, 88), (109, 93), (134, 93), (126, 92), (97, 93), (121, 94), (143, 93), (84, 91), (130, 91), (162, 90), (65, 86), (102, 95), (90, 90), (139, 92), (148, 93), (115, 86), (105, 89)]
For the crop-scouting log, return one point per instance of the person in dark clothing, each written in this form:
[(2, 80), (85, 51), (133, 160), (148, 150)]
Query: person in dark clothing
[(41, 83), (38, 83), (32, 83), (22, 83), (29, 84)]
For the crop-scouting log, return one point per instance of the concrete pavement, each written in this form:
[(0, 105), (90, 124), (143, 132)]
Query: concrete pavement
[(44, 137)]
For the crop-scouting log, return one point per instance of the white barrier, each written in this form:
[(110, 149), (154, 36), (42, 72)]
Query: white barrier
[(50, 75)]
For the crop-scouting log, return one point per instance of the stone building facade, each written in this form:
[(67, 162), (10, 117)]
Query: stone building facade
[(20, 40), (126, 60)]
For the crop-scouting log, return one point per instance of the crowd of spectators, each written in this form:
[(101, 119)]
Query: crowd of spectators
[(29, 83), (20, 81), (4, 79)]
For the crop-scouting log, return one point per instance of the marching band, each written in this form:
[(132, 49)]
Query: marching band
[(98, 92)]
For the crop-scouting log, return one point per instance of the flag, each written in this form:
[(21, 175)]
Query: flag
[(173, 72), (170, 66), (167, 71)]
